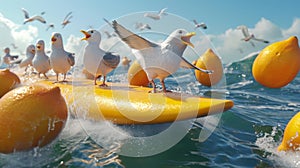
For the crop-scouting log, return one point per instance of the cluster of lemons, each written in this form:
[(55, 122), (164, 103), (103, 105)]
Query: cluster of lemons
[(30, 116), (275, 66)]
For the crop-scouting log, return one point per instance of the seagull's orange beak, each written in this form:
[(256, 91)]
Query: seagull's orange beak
[(186, 39), (38, 46), (53, 39), (87, 35)]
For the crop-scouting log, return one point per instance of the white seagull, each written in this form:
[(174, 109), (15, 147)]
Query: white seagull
[(32, 18), (60, 60), (41, 62), (159, 60), (95, 60), (248, 36), (30, 52), (156, 16), (197, 25), (66, 19), (142, 26)]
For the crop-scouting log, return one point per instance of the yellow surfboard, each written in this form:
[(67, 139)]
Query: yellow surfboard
[(127, 104)]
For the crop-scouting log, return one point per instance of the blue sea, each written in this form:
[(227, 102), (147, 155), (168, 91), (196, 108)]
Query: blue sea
[(245, 136)]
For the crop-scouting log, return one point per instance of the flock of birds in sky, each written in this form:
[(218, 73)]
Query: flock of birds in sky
[(158, 60), (41, 19)]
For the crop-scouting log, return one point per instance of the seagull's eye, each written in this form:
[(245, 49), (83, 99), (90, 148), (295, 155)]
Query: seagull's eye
[(180, 31), (92, 31)]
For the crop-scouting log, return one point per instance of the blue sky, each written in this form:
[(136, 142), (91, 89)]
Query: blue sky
[(221, 17)]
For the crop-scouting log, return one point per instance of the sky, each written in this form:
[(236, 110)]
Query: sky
[(272, 20)]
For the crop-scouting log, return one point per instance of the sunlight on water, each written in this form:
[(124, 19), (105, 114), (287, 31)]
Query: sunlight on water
[(268, 144)]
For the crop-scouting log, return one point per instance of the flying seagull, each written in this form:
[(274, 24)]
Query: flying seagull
[(156, 16), (248, 36), (66, 19), (197, 25), (32, 18)]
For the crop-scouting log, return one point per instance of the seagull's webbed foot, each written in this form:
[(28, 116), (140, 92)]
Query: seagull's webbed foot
[(103, 85), (64, 81)]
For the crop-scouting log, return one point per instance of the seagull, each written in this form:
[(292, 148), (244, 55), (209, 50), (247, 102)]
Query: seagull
[(30, 52), (156, 16), (41, 62), (32, 18), (142, 26), (67, 19), (159, 60), (51, 25), (95, 60), (9, 59), (248, 36), (60, 60), (197, 25), (109, 35)]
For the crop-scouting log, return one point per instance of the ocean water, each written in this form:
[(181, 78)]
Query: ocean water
[(245, 136)]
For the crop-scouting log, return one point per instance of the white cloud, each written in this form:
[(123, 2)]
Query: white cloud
[(12, 33), (294, 30), (230, 47)]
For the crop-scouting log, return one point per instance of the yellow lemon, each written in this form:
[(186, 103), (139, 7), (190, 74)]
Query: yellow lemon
[(209, 61), (277, 64), (31, 116), (8, 80), (291, 136), (136, 75)]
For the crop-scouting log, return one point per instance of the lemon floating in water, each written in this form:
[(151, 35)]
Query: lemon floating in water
[(209, 61), (8, 80), (277, 64), (31, 116), (291, 136), (136, 75)]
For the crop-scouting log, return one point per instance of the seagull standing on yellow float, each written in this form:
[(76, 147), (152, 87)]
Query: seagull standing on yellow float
[(60, 60), (41, 62), (95, 60), (159, 60)]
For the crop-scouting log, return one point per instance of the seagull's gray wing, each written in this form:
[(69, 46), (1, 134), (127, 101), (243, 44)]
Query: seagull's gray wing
[(261, 40), (71, 59), (26, 14), (186, 64), (162, 11), (67, 16), (132, 40), (39, 18), (245, 31), (195, 22), (111, 60), (108, 22)]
